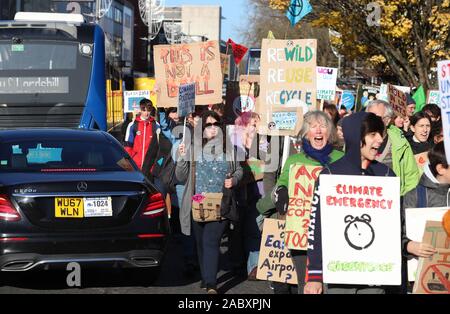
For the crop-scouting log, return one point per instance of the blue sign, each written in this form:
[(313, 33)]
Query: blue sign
[(348, 99), (186, 100), (297, 10)]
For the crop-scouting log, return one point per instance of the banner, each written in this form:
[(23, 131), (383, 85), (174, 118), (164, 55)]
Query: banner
[(288, 75), (197, 63), (301, 189), (326, 83), (398, 100), (361, 229), (444, 102), (186, 99), (275, 262), (132, 99), (416, 220), (433, 273)]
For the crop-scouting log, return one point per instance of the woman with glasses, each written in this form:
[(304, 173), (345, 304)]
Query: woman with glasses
[(206, 167)]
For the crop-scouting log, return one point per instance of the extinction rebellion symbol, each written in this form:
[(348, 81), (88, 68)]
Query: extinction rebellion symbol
[(293, 8)]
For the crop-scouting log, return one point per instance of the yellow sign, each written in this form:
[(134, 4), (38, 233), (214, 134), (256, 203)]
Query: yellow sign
[(147, 83), (69, 207)]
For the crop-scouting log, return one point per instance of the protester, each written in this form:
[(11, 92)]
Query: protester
[(436, 133), (141, 141), (246, 231), (433, 189), (196, 174), (433, 111), (420, 127), (363, 134), (395, 150), (317, 135)]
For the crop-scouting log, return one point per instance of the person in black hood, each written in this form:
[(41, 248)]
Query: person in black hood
[(363, 134)]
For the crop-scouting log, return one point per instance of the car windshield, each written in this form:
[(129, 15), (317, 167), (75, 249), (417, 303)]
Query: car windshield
[(62, 156)]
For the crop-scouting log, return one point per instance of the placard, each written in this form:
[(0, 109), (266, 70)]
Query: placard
[(132, 99), (416, 220), (444, 102), (288, 76), (186, 99), (197, 63), (361, 229), (275, 261), (326, 83), (301, 189), (285, 121), (398, 100), (421, 159), (433, 97)]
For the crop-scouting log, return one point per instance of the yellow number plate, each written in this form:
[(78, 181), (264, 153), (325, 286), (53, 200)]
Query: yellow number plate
[(69, 207)]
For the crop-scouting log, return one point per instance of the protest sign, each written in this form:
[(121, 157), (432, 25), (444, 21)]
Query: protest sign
[(288, 72), (444, 102), (197, 63), (326, 83), (225, 64), (361, 236), (383, 94), (275, 262), (347, 100), (433, 97), (147, 83), (249, 92), (186, 99), (416, 219), (421, 159), (301, 189), (365, 94), (285, 121), (433, 273), (398, 100), (132, 99)]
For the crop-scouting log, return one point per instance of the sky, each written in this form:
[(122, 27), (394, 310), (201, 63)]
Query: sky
[(232, 10)]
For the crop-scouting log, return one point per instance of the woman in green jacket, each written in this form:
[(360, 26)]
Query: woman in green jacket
[(318, 135)]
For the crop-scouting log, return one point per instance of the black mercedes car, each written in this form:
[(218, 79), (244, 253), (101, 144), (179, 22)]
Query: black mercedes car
[(75, 196)]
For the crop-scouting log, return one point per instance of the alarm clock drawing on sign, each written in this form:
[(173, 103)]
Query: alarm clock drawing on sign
[(359, 234)]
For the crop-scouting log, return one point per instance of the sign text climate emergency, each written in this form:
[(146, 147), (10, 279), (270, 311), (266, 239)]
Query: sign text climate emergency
[(359, 197)]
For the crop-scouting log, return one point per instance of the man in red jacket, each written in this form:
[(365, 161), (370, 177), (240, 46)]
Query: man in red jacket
[(141, 141)]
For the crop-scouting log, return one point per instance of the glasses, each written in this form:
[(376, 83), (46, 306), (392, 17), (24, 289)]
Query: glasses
[(216, 124)]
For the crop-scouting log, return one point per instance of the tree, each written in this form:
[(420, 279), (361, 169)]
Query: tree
[(409, 38)]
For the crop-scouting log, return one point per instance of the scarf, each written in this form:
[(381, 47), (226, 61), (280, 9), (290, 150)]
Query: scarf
[(321, 155)]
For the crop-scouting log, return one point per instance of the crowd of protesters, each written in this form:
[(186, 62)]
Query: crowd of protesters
[(207, 151)]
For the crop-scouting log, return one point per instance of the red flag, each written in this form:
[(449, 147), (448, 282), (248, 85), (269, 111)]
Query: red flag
[(239, 51)]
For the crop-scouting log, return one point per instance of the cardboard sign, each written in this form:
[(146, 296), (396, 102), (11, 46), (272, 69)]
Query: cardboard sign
[(361, 229), (326, 83), (444, 102), (275, 262), (433, 97), (186, 99), (434, 272), (416, 219), (421, 159), (398, 100), (285, 121), (301, 190), (242, 96), (197, 63), (288, 75), (132, 99)]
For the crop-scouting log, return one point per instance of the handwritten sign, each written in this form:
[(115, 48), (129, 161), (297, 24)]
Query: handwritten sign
[(433, 272), (326, 83), (416, 220), (301, 189), (132, 99), (288, 72), (444, 102), (186, 99), (398, 100), (275, 262), (197, 63), (360, 219)]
